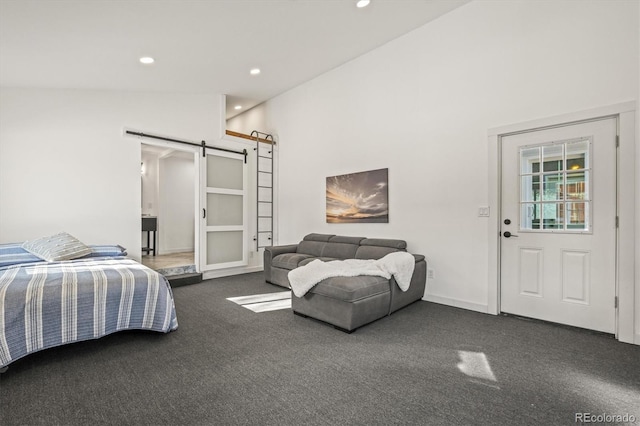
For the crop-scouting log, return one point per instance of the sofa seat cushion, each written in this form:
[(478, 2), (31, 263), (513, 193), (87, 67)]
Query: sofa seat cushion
[(351, 289), (311, 259), (290, 260)]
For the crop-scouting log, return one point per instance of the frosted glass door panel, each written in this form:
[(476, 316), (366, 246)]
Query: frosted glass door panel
[(224, 210), (223, 172), (224, 247)]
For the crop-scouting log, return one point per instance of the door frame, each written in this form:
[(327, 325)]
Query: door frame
[(627, 288)]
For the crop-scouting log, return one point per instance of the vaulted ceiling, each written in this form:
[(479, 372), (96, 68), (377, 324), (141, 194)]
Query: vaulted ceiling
[(199, 46)]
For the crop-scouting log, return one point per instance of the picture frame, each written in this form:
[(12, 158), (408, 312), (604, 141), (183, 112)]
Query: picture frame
[(361, 197)]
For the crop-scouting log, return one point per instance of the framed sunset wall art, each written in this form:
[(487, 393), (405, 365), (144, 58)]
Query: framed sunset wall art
[(361, 197)]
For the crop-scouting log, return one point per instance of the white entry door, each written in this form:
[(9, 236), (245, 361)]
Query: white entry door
[(558, 225), (223, 239)]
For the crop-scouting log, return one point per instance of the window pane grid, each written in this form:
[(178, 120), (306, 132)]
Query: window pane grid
[(555, 186)]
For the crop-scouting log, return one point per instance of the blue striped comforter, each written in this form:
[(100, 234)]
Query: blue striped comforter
[(47, 304)]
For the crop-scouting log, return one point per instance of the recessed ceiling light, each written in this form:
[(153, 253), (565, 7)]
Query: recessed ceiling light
[(255, 71), (362, 3), (237, 107), (147, 60)]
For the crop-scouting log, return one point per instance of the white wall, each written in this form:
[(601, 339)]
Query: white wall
[(149, 180), (176, 203), (421, 106), (65, 165), (248, 121)]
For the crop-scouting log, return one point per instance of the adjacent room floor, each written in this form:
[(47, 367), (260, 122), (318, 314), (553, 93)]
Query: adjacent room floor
[(164, 261)]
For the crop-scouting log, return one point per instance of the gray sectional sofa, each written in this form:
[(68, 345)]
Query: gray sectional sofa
[(345, 302)]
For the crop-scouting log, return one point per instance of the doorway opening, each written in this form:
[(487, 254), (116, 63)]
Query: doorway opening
[(168, 200)]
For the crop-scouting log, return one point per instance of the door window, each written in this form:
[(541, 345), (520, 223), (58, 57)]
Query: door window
[(555, 185)]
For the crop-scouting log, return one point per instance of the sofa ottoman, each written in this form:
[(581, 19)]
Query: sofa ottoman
[(344, 302)]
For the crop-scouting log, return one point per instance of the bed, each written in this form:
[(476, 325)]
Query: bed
[(44, 304)]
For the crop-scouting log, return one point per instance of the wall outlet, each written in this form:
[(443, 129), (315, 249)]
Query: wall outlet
[(431, 274)]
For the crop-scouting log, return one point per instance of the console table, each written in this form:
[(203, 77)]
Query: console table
[(149, 225)]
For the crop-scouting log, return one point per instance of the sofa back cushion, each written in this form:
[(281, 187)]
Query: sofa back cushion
[(341, 247), (376, 248), (313, 244), (318, 237), (384, 242)]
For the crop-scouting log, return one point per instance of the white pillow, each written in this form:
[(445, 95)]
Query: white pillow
[(61, 246)]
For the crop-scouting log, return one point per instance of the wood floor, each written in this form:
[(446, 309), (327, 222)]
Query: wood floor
[(172, 260)]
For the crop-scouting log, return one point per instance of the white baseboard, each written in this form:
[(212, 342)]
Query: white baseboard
[(471, 306), (231, 271)]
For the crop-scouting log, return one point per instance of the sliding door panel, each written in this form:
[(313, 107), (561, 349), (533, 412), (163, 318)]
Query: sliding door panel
[(224, 212)]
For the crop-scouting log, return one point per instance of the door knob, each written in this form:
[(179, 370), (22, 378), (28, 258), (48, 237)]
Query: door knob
[(508, 234)]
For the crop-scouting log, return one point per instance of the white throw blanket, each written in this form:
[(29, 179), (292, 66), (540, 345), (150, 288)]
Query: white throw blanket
[(398, 264)]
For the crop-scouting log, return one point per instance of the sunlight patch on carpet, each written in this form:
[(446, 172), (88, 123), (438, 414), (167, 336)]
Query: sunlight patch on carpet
[(476, 365), (264, 302)]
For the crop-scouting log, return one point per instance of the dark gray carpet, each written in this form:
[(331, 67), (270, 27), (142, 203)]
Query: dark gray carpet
[(228, 365)]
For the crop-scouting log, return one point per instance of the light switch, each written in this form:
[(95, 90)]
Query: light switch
[(483, 211)]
